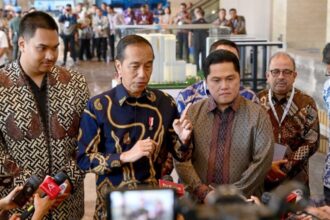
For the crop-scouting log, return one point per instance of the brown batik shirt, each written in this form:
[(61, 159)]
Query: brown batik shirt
[(299, 131)]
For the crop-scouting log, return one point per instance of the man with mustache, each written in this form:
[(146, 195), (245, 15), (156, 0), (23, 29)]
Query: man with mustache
[(295, 122), (40, 107)]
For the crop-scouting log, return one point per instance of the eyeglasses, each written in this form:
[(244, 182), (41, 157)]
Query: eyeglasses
[(277, 72)]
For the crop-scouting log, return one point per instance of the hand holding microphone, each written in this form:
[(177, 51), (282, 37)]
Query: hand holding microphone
[(51, 187), (42, 206), (167, 182), (7, 202)]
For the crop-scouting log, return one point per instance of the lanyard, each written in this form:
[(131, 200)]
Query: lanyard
[(286, 110)]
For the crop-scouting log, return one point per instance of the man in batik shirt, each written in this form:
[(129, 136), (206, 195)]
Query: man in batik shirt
[(232, 137), (40, 108), (199, 90), (126, 133), (295, 122)]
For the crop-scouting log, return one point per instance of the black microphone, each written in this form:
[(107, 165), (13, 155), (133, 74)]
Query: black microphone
[(265, 198), (50, 187), (29, 188)]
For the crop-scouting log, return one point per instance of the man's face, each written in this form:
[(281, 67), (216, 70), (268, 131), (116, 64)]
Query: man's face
[(183, 8), (68, 9), (223, 83), (79, 8), (99, 12), (281, 75), (233, 14), (136, 68), (110, 10), (328, 70), (222, 14), (39, 53), (104, 6)]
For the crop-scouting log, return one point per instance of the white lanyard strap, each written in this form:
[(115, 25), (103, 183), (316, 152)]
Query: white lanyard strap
[(287, 107)]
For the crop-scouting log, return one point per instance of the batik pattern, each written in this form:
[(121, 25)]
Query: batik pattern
[(111, 124), (37, 149)]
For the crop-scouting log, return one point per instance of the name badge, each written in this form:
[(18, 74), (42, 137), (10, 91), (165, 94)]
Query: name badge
[(66, 24)]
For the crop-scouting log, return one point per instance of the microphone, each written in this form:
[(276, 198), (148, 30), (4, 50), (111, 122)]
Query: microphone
[(167, 182), (51, 187), (29, 188), (265, 198)]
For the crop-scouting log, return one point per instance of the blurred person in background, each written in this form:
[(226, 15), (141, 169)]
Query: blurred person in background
[(237, 22), (129, 16), (199, 37), (183, 17), (68, 30), (221, 19), (158, 12), (166, 18), (85, 37), (13, 31), (114, 20), (144, 17), (4, 46), (101, 29)]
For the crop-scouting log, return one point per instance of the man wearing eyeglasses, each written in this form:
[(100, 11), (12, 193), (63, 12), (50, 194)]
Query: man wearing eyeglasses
[(295, 122)]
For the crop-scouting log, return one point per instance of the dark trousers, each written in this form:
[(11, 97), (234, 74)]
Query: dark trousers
[(85, 49), (326, 191), (101, 48), (199, 48), (112, 46), (69, 44), (183, 45), (15, 50)]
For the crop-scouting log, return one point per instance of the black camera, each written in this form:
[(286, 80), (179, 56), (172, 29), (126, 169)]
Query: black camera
[(22, 196)]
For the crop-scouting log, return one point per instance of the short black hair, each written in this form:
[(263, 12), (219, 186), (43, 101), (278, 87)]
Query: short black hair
[(130, 40), (183, 4), (233, 9), (200, 11), (220, 56), (326, 54), (223, 42), (34, 20)]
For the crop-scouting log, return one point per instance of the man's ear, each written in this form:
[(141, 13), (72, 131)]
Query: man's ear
[(21, 44), (118, 68), (267, 76)]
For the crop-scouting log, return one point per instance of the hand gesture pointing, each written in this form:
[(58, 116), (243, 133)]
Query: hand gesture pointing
[(183, 126)]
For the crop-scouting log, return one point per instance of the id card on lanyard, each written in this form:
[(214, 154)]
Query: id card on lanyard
[(286, 110)]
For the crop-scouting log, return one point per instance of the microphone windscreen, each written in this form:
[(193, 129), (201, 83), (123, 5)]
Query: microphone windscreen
[(168, 178), (265, 198)]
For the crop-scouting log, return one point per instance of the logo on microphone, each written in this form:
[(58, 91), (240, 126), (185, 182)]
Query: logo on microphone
[(50, 187)]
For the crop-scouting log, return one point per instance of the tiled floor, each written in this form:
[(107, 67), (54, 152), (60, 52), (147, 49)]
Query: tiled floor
[(99, 76)]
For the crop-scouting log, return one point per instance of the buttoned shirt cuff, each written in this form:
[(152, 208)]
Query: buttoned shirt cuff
[(201, 191)]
